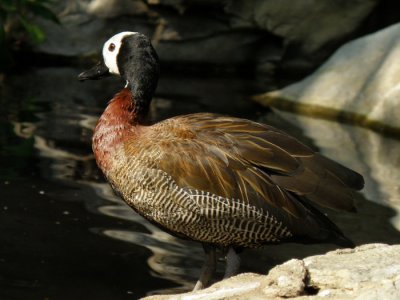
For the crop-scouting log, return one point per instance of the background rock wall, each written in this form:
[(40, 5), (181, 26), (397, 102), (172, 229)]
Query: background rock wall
[(267, 36)]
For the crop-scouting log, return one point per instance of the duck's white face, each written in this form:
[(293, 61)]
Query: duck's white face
[(111, 50)]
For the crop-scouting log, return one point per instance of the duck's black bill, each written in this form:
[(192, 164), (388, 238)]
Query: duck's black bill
[(97, 72)]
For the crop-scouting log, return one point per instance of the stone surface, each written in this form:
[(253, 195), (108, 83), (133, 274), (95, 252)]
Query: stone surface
[(256, 35), (361, 79), (367, 272), (312, 24), (115, 8), (310, 30), (177, 36), (355, 272), (286, 280), (86, 25)]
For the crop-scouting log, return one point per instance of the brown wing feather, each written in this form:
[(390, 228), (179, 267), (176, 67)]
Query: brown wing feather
[(236, 158)]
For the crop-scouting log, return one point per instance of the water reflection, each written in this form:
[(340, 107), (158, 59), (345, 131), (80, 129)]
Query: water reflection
[(51, 117), (172, 258)]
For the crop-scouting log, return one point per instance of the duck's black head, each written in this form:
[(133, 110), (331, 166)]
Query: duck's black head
[(131, 56)]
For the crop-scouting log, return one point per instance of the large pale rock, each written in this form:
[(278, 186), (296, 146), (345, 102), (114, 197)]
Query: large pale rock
[(360, 82), (366, 272), (357, 272)]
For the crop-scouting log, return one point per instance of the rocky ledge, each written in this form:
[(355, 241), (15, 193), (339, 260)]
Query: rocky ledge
[(360, 83), (370, 271)]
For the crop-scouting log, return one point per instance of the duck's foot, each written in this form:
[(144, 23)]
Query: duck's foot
[(208, 268)]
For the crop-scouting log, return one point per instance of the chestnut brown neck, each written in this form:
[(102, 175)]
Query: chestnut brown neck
[(118, 122)]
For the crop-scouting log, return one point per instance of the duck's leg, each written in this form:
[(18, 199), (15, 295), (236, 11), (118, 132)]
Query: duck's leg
[(232, 263), (208, 268)]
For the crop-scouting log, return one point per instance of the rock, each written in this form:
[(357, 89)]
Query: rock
[(361, 82), (216, 50), (86, 25), (357, 272), (254, 35), (115, 8), (286, 280), (182, 5), (367, 272), (308, 25)]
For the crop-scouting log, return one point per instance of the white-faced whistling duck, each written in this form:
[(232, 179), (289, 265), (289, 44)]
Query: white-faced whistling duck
[(225, 182)]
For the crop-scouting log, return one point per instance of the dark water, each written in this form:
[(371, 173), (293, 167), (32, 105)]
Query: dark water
[(64, 235)]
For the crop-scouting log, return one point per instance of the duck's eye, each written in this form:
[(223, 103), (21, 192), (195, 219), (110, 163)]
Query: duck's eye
[(111, 47)]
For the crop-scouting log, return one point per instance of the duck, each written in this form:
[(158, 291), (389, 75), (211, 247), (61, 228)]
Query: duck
[(226, 182)]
